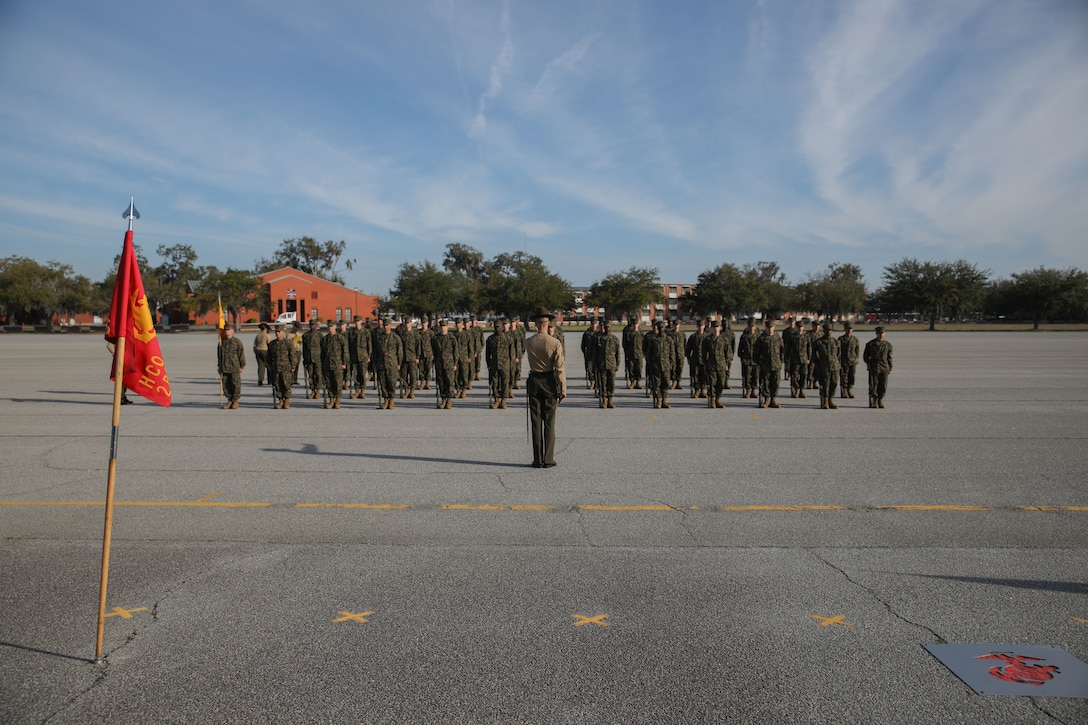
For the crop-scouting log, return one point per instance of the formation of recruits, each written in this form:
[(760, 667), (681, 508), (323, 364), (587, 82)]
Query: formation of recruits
[(404, 358)]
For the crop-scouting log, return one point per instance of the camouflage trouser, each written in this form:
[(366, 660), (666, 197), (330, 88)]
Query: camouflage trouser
[(386, 378), (846, 377), (281, 383), (426, 365), (445, 380), (878, 385), (798, 375), (715, 380), (749, 374), (658, 382), (499, 383), (698, 373), (827, 380), (768, 383), (633, 367), (334, 380), (313, 377), (358, 370), (409, 375), (232, 386), (606, 382), (464, 374)]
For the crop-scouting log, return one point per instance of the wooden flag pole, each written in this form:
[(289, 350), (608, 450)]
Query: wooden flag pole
[(107, 535)]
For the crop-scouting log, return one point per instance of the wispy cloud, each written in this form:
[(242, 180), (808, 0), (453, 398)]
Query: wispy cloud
[(500, 68)]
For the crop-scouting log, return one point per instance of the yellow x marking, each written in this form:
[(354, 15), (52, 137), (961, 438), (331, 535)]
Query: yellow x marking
[(125, 613), (360, 617), (580, 621), (828, 621), (1082, 621)]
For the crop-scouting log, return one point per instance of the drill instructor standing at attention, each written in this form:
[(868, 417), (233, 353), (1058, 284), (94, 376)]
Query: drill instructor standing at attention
[(546, 388)]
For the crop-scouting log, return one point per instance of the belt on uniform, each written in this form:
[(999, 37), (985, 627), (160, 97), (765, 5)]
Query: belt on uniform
[(549, 372)]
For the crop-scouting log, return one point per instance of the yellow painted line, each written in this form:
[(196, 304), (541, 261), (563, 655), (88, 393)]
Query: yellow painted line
[(350, 617), (380, 506), (124, 613), (782, 508), (210, 504), (934, 508), (655, 507), (581, 621)]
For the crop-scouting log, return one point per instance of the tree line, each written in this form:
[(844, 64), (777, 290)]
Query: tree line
[(514, 283)]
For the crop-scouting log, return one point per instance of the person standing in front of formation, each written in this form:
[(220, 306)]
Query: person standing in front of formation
[(499, 358), (768, 355), (359, 346), (335, 359), (800, 351), (606, 365), (848, 360), (749, 370), (232, 362), (878, 361), (545, 389), (388, 358), (716, 355), (825, 367), (280, 372), (260, 352), (660, 363), (409, 370), (444, 351)]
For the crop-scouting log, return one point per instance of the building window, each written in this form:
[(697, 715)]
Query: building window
[(339, 314), (313, 314), (347, 314), (313, 295)]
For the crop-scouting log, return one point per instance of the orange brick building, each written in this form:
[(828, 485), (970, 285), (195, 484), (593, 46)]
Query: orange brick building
[(313, 298)]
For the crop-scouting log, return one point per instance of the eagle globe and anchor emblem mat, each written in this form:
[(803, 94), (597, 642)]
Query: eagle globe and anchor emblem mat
[(1014, 669)]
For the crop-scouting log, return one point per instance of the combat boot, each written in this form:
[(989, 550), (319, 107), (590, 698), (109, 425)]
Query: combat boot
[(611, 403), (765, 403), (879, 402), (718, 403), (850, 392), (872, 402), (278, 404), (449, 403), (392, 404), (336, 402), (226, 405), (286, 403), (502, 403), (801, 393), (823, 403), (831, 403), (657, 403), (493, 404), (601, 402), (774, 403)]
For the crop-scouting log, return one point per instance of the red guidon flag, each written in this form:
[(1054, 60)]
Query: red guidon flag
[(130, 318)]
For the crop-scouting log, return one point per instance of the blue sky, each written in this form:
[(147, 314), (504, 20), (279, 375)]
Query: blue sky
[(597, 135)]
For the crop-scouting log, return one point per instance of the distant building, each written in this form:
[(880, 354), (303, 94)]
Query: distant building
[(313, 298)]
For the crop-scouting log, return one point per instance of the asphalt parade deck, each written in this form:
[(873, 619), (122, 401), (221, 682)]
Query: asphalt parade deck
[(680, 565)]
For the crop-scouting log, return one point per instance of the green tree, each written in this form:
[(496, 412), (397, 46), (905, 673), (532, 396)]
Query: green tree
[(34, 293), (626, 293), (518, 283), (425, 290), (932, 288), (308, 255), (1045, 293), (836, 291), (468, 269), (726, 289), (237, 288)]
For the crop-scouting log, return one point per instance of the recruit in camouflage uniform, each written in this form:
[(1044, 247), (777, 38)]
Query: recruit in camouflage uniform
[(849, 351), (800, 352), (334, 363), (693, 351), (231, 355), (426, 354), (464, 359), (388, 357), (359, 349), (311, 360), (589, 353), (632, 354), (660, 362), (749, 370), (409, 369), (478, 347), (878, 360), (810, 370), (716, 355), (678, 338), (499, 355), (768, 354), (606, 363), (444, 351), (280, 370), (518, 331), (825, 362)]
